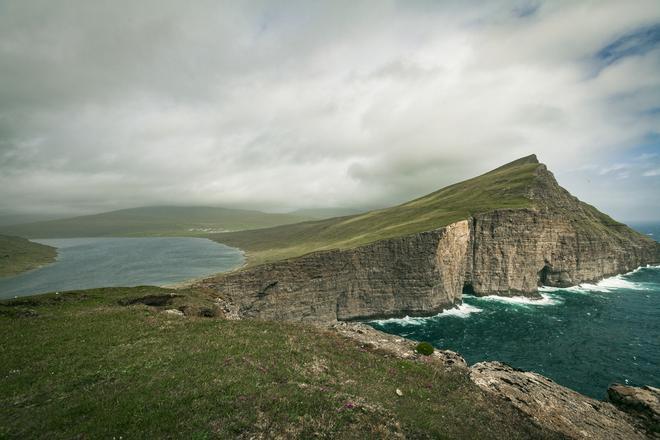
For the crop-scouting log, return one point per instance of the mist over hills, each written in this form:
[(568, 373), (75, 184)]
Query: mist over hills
[(154, 221)]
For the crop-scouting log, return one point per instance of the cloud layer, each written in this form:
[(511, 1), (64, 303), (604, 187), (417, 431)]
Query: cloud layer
[(334, 104)]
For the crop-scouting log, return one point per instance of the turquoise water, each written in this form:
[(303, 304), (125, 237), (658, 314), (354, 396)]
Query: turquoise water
[(584, 337), (84, 263)]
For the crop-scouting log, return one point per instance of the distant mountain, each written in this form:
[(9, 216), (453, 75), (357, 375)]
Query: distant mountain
[(18, 255), (15, 219), (323, 213), (154, 221)]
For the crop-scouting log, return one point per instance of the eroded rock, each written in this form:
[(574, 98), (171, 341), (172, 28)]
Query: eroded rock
[(643, 403), (553, 406), (417, 274)]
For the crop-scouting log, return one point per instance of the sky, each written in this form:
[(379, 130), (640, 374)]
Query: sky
[(299, 104)]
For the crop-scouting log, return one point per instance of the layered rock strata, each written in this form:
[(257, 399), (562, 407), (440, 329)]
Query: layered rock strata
[(418, 274), (643, 403), (553, 406), (561, 242)]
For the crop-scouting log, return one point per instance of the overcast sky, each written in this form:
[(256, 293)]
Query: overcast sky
[(294, 104)]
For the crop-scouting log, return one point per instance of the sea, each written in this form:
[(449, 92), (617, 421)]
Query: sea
[(85, 263), (584, 337)]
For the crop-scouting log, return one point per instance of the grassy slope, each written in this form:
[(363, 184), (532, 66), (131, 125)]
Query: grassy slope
[(153, 221), (18, 255), (504, 187), (79, 365)]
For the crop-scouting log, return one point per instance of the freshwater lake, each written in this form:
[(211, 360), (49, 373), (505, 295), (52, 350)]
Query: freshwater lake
[(85, 263)]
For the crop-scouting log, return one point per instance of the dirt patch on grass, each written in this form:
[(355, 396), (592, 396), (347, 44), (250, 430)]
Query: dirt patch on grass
[(150, 300)]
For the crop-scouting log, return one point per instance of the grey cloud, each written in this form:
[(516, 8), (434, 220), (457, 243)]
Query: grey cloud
[(258, 104)]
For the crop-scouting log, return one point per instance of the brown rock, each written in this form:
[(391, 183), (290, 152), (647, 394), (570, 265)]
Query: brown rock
[(643, 403), (394, 345), (553, 406), (417, 274)]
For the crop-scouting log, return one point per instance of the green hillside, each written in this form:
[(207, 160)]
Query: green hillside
[(323, 213), (18, 255), (154, 221), (100, 364), (504, 187)]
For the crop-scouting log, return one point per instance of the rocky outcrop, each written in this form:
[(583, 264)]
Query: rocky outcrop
[(515, 251), (643, 403), (369, 337), (418, 274), (548, 404), (561, 242), (553, 406)]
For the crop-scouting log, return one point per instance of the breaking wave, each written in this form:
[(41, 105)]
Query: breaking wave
[(545, 300), (460, 311), (608, 284)]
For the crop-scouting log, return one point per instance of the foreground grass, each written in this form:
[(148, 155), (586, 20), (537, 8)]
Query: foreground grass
[(19, 255), (80, 365)]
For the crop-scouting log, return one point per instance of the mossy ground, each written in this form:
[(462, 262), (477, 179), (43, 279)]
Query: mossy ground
[(81, 365)]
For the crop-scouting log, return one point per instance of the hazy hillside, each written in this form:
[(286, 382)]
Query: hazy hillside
[(18, 255), (504, 187), (15, 219), (323, 213), (154, 221)]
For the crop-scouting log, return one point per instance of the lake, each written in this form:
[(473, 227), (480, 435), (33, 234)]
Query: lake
[(85, 263)]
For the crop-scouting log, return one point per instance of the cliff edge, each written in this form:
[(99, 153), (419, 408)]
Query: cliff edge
[(503, 233)]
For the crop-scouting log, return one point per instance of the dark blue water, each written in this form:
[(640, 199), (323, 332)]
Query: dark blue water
[(585, 337), (84, 263)]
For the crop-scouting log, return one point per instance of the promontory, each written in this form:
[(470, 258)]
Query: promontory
[(506, 232)]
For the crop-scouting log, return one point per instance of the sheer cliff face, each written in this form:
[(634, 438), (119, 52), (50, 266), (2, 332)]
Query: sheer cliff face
[(514, 251), (416, 275), (559, 241)]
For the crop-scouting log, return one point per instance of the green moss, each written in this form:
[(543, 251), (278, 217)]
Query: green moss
[(424, 348)]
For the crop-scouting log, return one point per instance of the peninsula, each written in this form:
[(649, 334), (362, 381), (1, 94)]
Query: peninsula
[(505, 232), (18, 255)]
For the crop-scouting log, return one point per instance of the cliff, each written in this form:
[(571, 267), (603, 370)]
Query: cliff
[(538, 234), (560, 242), (417, 274)]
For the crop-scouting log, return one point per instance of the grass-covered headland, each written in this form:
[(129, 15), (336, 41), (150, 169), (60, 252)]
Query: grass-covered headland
[(19, 254), (107, 363)]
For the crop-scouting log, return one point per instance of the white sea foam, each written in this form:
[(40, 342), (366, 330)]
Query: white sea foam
[(608, 284), (545, 300), (460, 311)]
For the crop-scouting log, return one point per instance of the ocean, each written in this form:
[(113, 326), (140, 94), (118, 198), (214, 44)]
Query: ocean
[(585, 337)]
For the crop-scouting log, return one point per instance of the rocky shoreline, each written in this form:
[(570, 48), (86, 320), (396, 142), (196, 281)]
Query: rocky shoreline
[(630, 413)]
